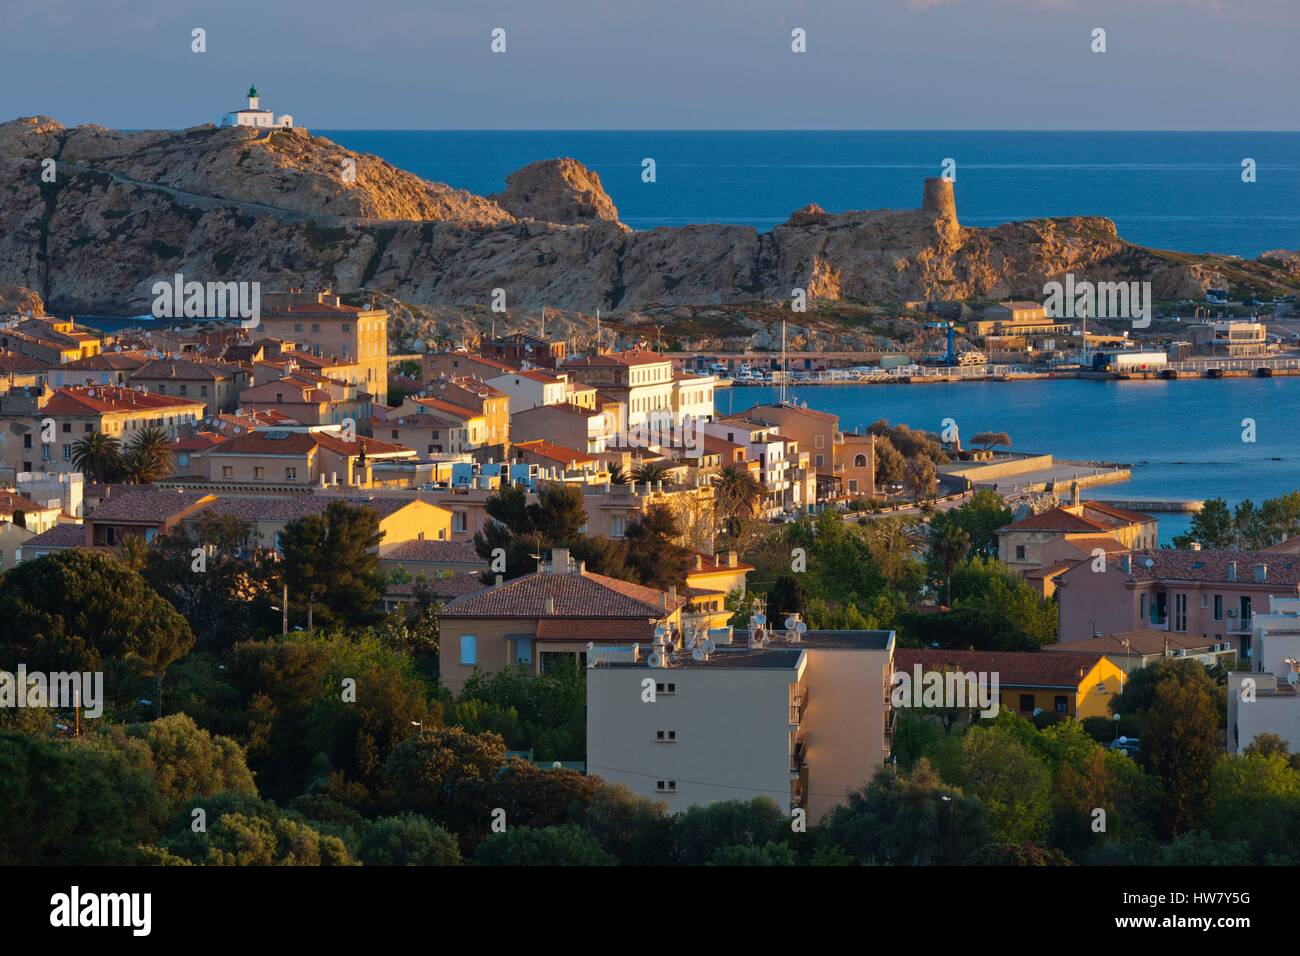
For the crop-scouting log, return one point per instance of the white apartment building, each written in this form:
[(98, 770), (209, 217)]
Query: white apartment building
[(1266, 699), (778, 468), (801, 718), (531, 388)]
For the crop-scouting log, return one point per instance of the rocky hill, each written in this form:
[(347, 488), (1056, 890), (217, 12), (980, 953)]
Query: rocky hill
[(285, 208)]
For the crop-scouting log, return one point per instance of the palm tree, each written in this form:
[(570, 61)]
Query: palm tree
[(652, 472), (98, 456), (149, 456), (617, 476), (737, 496), (949, 545), (133, 552)]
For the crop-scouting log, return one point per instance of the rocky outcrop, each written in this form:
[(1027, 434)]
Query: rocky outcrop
[(557, 190), (288, 208), (19, 301)]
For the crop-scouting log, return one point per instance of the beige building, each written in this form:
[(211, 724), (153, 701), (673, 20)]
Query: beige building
[(802, 719), (300, 457), (39, 429), (358, 337), (547, 619), (1044, 546), (216, 384), (586, 429)]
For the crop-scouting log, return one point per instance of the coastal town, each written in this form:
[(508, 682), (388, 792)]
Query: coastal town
[(573, 569)]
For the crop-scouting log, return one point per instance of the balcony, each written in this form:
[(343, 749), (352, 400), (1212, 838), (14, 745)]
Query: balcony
[(797, 755), (797, 707)]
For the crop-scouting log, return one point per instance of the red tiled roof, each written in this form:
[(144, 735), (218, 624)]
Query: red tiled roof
[(584, 595), (163, 369), (630, 357), (1211, 567), (1086, 544), (1142, 642), (140, 504), (78, 400), (548, 449), (60, 536), (1014, 668), (1057, 519), (10, 502), (1123, 514), (445, 552), (199, 441), (599, 631)]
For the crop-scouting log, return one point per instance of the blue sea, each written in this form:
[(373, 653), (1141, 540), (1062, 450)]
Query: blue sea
[(1183, 439), (1180, 191)]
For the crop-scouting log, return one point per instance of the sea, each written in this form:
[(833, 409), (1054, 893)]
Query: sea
[(1184, 191)]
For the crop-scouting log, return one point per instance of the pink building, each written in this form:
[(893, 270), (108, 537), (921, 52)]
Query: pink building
[(1213, 594)]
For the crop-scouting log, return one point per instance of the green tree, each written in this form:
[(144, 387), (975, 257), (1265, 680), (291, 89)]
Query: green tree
[(1211, 527), (786, 597), (653, 555), (904, 820), (76, 610), (1181, 745), (890, 464), (448, 775), (1012, 782), (548, 846), (1256, 801), (987, 440), (703, 830), (920, 477), (980, 516), (769, 854), (331, 564), (99, 457), (737, 498), (407, 840), (149, 456), (949, 545)]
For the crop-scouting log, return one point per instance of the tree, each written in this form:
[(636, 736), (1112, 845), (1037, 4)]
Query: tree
[(949, 545), (786, 597), (243, 830), (904, 820), (769, 854), (548, 846), (331, 564), (1211, 527), (653, 472), (149, 456), (989, 440), (654, 557), (99, 457), (737, 497), (920, 478), (1181, 745), (617, 476), (407, 840), (1256, 800), (980, 517), (448, 775), (703, 830), (522, 529), (890, 464), (1012, 782), (1270, 745), (77, 610)]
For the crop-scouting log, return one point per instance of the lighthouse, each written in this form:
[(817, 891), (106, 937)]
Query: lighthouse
[(254, 115)]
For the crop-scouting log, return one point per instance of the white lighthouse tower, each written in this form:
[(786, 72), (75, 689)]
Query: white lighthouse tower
[(254, 115)]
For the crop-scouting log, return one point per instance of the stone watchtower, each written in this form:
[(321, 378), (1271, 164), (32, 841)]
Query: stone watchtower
[(939, 199)]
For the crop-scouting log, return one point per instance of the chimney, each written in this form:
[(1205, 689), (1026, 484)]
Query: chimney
[(732, 559), (699, 562), (559, 560), (1196, 546), (1232, 570), (1261, 573), (550, 605)]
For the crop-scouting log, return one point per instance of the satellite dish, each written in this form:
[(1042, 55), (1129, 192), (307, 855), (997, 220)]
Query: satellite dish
[(708, 645), (1123, 740), (655, 660), (760, 619), (1293, 678), (800, 627), (790, 622), (697, 654)]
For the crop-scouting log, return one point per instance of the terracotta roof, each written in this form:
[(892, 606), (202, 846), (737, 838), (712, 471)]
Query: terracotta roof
[(446, 552), (16, 362), (1056, 519), (1144, 642), (163, 369), (548, 449), (584, 595), (1123, 514), (713, 563), (142, 504), (563, 407), (199, 441), (437, 404), (1014, 668), (1167, 564), (60, 536), (292, 507), (618, 631), (1086, 544), (446, 589), (108, 362), (630, 357), (274, 441), (10, 502), (78, 400), (787, 406)]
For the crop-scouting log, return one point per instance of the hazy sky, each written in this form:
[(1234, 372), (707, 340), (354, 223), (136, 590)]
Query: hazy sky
[(660, 64)]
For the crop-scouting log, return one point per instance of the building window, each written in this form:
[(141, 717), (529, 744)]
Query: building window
[(1020, 552), (821, 461), (290, 474), (468, 649), (227, 471), (1218, 607), (1062, 704), (859, 461), (67, 453), (458, 522), (27, 440), (1180, 611), (90, 427), (666, 786), (1026, 703), (666, 736), (665, 688), (616, 526), (259, 471), (67, 428)]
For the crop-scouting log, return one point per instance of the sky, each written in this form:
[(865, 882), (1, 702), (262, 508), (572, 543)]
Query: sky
[(660, 64)]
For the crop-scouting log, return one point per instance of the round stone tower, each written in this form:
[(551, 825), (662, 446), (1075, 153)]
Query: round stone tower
[(938, 198)]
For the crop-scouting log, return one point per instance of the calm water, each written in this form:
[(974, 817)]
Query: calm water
[(1183, 438), (1178, 191)]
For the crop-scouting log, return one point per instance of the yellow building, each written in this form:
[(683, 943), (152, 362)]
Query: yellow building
[(1028, 682)]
